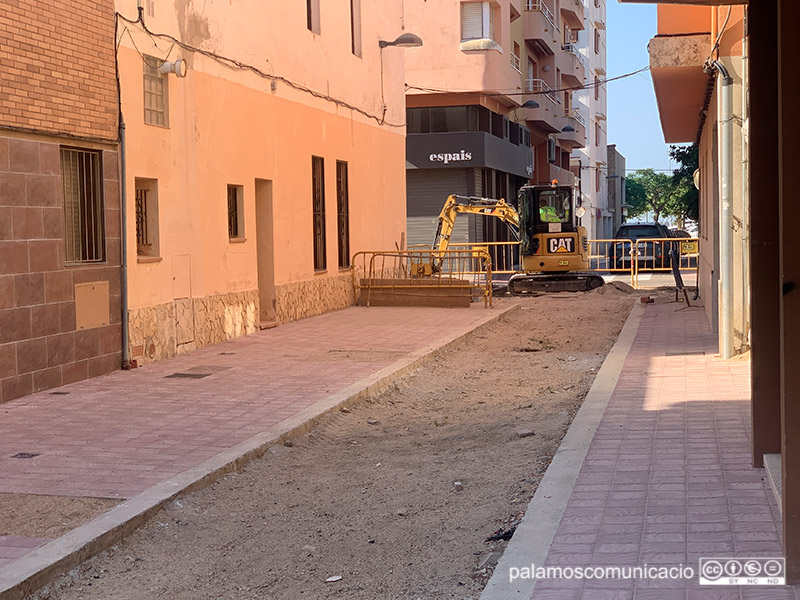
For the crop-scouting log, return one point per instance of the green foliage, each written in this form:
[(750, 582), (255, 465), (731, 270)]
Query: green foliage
[(688, 205), (665, 195)]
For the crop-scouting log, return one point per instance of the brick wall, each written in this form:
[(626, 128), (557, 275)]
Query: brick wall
[(57, 67), (40, 346)]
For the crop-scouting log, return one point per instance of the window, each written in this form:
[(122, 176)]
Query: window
[(596, 87), (318, 191), (312, 15), (147, 217), (596, 41), (235, 212), (343, 212), (84, 223), (355, 27), (598, 175), (597, 133), (477, 21), (156, 102)]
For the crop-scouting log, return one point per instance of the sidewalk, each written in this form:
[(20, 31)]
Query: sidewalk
[(147, 430), (667, 478)]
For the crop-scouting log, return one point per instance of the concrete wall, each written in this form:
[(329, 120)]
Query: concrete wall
[(709, 211), (231, 126)]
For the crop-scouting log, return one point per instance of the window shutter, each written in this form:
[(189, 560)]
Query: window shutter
[(471, 20)]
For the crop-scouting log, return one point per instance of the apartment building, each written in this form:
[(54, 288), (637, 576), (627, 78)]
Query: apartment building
[(60, 316), (615, 181), (688, 99), (591, 103), (265, 146), (489, 94)]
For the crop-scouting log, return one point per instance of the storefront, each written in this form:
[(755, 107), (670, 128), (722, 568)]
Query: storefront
[(465, 150)]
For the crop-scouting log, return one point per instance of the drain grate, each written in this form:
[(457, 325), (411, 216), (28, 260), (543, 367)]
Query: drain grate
[(187, 375), (59, 393), (679, 353), (227, 353), (25, 455)]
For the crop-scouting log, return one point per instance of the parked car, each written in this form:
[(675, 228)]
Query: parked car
[(653, 255)]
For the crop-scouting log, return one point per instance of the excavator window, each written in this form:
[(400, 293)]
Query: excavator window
[(555, 206)]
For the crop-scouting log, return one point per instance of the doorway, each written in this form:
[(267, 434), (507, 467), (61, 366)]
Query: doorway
[(265, 244)]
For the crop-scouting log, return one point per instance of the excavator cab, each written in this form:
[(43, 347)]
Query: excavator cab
[(554, 249)]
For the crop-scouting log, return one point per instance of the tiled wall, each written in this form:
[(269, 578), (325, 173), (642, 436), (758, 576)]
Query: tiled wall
[(40, 347)]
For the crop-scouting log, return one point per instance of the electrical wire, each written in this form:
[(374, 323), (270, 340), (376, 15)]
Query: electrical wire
[(715, 47), (233, 63), (587, 86)]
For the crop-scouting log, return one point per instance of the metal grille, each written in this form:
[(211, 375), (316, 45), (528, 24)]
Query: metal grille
[(318, 181), (142, 238), (84, 226), (234, 223), (155, 93), (343, 210)]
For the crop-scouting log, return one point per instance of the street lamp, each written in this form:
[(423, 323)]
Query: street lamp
[(405, 40)]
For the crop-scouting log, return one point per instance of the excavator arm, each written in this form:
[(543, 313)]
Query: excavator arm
[(487, 207)]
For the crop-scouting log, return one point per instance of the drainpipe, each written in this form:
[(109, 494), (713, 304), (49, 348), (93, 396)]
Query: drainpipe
[(725, 133), (126, 359)]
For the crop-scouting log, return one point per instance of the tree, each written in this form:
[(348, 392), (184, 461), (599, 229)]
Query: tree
[(647, 190), (687, 205)]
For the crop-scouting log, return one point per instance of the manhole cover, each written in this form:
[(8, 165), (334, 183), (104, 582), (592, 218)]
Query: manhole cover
[(25, 455), (679, 353), (187, 375)]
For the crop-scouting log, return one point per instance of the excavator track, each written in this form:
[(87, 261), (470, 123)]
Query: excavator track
[(523, 284)]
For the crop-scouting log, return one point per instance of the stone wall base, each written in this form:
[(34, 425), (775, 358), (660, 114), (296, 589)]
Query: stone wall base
[(303, 299), (180, 326), (165, 330)]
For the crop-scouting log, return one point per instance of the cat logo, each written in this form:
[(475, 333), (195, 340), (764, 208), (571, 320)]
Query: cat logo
[(557, 245)]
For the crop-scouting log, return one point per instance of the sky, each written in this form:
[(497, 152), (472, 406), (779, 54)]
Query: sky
[(633, 123)]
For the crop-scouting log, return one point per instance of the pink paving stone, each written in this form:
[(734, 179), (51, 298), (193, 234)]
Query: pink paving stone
[(109, 432), (674, 441)]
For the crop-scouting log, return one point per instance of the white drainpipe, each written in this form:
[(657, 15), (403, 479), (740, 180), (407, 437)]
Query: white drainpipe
[(725, 133)]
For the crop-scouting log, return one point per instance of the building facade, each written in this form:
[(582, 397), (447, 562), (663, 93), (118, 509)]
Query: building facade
[(591, 102), (617, 205), (264, 147), (60, 314), (688, 98), (495, 84)]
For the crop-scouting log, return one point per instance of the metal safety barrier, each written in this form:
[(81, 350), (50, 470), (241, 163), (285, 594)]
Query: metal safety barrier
[(405, 274), (618, 256)]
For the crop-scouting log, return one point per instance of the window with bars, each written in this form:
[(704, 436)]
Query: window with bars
[(235, 212), (84, 222), (343, 213), (147, 217), (318, 199), (155, 94)]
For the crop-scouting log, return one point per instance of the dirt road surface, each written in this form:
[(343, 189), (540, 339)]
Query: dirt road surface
[(392, 498)]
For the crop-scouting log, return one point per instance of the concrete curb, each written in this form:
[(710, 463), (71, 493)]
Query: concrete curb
[(41, 566), (533, 537)]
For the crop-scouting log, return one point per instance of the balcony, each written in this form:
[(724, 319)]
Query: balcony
[(547, 116), (576, 138), (551, 172), (572, 64), (676, 66), (572, 11), (540, 28)]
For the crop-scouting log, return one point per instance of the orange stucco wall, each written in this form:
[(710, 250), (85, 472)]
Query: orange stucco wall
[(231, 126), (674, 19)]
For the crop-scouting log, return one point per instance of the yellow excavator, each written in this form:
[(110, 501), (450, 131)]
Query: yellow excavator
[(554, 250)]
